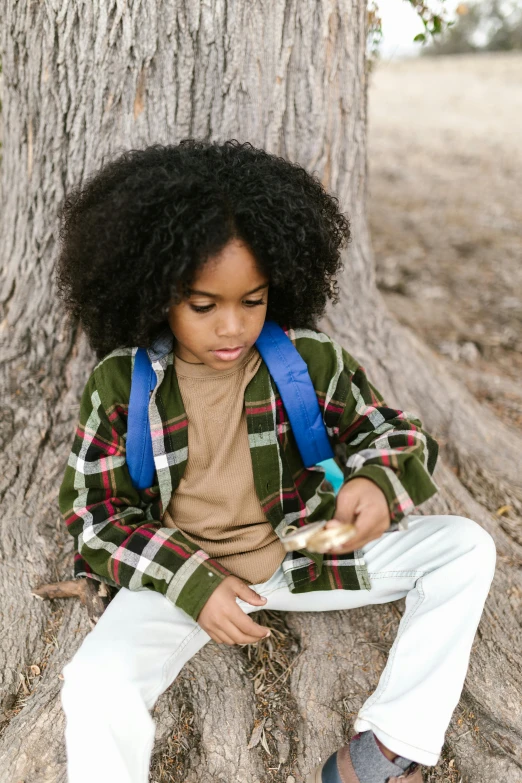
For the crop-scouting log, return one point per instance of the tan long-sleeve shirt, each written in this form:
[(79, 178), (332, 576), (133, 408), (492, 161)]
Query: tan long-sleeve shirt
[(215, 504)]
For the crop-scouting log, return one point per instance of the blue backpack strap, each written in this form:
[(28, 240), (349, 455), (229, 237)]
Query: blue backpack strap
[(140, 458), (290, 373)]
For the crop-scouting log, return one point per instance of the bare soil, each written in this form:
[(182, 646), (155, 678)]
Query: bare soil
[(445, 210)]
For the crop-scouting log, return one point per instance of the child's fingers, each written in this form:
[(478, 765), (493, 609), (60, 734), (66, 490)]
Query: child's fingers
[(351, 545), (246, 626), (367, 527), (221, 637), (344, 550), (238, 636), (243, 591), (354, 544), (346, 504)]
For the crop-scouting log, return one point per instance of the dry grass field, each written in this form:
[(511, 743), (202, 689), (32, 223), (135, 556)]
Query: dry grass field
[(445, 207)]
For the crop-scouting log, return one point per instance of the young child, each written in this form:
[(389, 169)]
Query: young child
[(186, 250)]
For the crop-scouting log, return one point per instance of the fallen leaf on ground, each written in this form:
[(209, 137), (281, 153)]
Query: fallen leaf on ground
[(256, 735)]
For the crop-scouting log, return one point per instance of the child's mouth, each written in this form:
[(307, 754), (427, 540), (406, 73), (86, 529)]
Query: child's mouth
[(228, 355)]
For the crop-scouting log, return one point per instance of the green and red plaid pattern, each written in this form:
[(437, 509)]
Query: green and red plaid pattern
[(117, 528)]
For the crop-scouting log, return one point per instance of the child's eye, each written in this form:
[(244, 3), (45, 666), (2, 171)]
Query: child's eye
[(206, 308)]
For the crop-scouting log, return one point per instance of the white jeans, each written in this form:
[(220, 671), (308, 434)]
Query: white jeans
[(442, 564)]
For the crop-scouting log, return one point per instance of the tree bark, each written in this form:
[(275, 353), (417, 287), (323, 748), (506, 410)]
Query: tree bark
[(83, 81)]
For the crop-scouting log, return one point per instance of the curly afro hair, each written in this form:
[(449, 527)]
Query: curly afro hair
[(135, 234)]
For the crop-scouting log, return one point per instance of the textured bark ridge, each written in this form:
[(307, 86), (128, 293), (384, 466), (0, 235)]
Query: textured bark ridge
[(81, 82)]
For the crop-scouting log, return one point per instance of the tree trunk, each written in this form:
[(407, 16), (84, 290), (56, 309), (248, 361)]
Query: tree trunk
[(83, 81)]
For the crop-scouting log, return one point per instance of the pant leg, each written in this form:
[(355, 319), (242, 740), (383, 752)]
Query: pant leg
[(133, 653), (443, 565)]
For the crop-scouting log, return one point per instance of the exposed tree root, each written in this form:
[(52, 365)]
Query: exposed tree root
[(94, 595)]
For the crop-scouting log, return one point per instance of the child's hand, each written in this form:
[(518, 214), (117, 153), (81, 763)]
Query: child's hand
[(225, 621), (363, 504)]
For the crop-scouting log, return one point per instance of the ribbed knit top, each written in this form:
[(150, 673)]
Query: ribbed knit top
[(216, 505)]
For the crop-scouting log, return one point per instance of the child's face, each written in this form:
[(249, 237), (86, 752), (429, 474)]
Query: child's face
[(234, 293)]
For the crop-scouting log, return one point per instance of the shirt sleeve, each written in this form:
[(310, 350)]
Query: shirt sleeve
[(111, 520), (385, 445)]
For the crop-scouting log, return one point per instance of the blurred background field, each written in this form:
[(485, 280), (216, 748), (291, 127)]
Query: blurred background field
[(445, 210)]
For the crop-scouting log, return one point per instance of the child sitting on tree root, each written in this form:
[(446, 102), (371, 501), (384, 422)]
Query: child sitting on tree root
[(186, 250)]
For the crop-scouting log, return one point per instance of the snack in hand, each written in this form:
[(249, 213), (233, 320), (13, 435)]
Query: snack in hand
[(314, 538)]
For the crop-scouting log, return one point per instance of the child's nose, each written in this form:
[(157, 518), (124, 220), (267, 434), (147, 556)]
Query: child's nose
[(231, 325)]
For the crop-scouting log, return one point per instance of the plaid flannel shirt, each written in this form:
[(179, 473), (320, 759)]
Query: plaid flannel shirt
[(117, 528)]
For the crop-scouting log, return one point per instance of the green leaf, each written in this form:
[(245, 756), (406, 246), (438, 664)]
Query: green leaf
[(420, 37), (437, 24)]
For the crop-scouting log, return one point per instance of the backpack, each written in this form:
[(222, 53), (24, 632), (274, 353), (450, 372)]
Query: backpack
[(290, 374)]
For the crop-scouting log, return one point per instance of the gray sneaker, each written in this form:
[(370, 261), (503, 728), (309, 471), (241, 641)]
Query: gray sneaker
[(338, 768)]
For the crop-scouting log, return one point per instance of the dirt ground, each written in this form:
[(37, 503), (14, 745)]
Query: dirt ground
[(445, 208)]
